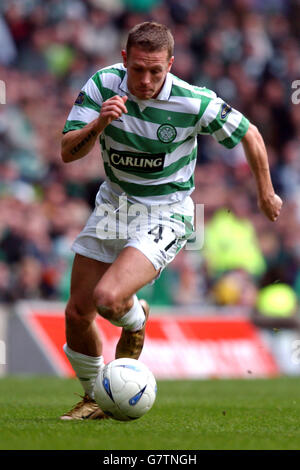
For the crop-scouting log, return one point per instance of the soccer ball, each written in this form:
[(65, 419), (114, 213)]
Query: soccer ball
[(125, 389)]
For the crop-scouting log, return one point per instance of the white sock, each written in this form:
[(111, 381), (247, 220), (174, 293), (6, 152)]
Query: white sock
[(85, 367), (134, 319)]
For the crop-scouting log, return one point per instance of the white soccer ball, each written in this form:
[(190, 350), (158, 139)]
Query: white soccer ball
[(125, 389)]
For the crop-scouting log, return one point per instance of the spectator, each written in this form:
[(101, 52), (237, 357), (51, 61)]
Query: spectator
[(248, 52)]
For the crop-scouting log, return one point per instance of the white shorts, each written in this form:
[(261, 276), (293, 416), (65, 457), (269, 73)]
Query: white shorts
[(159, 232)]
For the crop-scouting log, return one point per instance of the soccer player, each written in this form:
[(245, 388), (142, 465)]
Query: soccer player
[(147, 121)]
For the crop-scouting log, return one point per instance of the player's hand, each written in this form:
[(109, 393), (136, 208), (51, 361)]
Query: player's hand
[(111, 109), (270, 206)]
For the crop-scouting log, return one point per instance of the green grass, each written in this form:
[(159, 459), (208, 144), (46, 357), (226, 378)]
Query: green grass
[(216, 414)]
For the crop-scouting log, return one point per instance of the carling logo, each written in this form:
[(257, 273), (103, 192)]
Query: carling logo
[(135, 162)]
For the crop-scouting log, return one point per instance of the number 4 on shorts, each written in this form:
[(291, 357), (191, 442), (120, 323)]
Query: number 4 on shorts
[(157, 231)]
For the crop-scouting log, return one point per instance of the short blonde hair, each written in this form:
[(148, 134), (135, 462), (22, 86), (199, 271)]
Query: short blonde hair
[(151, 37)]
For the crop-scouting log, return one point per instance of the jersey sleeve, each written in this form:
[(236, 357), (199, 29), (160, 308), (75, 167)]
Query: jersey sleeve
[(227, 125), (86, 107)]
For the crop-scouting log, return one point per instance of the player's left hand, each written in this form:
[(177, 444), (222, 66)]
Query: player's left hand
[(270, 206)]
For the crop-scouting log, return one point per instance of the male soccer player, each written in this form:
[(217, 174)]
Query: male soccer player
[(147, 121)]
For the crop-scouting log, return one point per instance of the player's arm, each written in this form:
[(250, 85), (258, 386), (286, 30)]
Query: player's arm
[(256, 154), (78, 143)]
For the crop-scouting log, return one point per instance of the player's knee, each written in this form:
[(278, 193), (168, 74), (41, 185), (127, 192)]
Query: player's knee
[(108, 303), (75, 316)]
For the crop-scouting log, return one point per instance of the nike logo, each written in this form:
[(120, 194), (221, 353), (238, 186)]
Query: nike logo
[(88, 416)]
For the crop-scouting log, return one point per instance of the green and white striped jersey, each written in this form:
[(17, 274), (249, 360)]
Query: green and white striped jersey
[(150, 153)]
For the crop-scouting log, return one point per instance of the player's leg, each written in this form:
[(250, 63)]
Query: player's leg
[(81, 332), (138, 264), (115, 298), (84, 346)]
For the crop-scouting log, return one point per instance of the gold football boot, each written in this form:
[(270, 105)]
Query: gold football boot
[(131, 342), (85, 409)]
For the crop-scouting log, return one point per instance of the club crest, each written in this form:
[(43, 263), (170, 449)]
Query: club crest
[(166, 133)]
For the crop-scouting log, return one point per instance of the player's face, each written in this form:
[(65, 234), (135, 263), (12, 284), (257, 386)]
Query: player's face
[(146, 71)]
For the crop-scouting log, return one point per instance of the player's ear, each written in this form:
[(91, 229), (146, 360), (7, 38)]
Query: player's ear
[(124, 55), (170, 63)]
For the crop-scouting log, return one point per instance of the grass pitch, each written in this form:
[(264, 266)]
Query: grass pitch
[(216, 414)]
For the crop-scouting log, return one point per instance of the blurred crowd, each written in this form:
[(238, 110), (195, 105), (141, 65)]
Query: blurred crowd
[(247, 51)]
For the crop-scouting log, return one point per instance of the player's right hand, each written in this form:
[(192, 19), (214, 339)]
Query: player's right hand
[(111, 109)]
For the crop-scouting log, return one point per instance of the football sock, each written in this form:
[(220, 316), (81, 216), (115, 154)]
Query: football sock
[(85, 367), (134, 319)]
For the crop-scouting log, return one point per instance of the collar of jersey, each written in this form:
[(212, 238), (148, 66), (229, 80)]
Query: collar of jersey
[(164, 94)]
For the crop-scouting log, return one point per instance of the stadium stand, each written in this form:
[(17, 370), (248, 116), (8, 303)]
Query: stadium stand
[(245, 50)]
